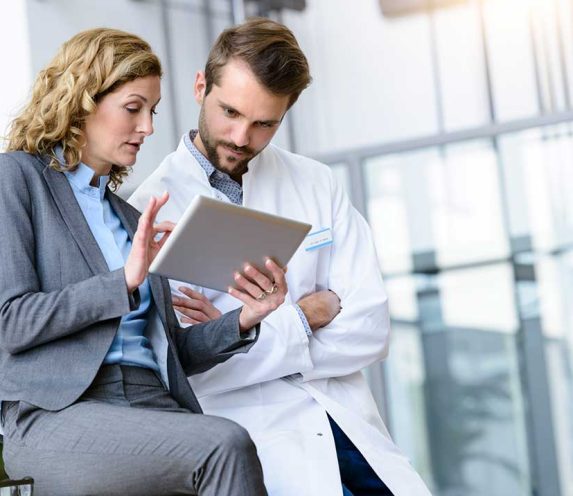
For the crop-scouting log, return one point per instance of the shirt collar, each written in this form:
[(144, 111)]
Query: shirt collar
[(197, 155), (82, 176)]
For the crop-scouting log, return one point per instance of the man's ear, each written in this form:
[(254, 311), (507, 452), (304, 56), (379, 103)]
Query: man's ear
[(200, 86)]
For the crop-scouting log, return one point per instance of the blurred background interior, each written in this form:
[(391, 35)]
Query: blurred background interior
[(451, 124)]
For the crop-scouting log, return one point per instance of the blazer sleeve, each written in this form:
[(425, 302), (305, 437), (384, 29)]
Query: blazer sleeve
[(30, 317), (201, 346), (204, 345)]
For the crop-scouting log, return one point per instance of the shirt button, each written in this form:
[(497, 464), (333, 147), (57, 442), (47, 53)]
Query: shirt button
[(319, 433)]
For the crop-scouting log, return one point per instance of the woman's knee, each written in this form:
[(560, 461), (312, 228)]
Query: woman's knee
[(237, 438)]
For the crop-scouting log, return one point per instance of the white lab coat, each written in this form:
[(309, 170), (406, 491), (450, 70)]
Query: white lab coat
[(281, 390)]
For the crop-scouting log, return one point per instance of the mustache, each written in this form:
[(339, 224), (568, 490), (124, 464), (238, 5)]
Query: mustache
[(241, 149)]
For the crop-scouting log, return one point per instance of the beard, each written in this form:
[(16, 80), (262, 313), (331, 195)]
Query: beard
[(236, 167)]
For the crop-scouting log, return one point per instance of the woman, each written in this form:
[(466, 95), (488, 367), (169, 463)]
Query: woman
[(93, 365)]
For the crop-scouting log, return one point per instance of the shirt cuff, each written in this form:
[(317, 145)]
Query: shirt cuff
[(305, 323), (251, 334), (134, 300)]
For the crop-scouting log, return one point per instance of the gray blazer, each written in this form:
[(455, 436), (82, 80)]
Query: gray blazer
[(60, 306)]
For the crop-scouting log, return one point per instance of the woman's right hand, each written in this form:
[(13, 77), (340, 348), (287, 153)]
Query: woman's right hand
[(144, 247)]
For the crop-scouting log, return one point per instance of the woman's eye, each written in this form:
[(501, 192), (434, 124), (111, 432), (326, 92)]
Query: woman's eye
[(132, 110)]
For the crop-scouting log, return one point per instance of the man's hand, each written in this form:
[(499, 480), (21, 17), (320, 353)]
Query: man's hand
[(259, 294), (194, 306), (320, 308)]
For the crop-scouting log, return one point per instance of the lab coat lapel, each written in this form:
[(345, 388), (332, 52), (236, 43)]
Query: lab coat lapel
[(269, 186)]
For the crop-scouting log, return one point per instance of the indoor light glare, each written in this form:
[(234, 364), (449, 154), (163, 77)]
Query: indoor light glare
[(509, 8)]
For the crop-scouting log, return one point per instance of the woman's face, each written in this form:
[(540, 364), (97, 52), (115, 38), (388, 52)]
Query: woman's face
[(122, 120)]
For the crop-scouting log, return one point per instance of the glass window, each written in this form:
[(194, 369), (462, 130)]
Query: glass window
[(372, 84), (546, 28), (565, 19), (342, 174), (538, 179), (398, 207), (445, 203), (453, 383), (554, 276)]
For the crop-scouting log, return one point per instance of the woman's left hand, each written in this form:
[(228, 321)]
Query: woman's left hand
[(259, 294), (144, 247)]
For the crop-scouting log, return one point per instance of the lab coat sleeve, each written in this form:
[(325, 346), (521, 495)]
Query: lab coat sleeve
[(282, 350), (359, 335)]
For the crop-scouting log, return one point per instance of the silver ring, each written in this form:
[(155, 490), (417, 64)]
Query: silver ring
[(273, 289), (262, 296)]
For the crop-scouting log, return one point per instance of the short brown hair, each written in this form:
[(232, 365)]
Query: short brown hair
[(271, 52), (87, 67)]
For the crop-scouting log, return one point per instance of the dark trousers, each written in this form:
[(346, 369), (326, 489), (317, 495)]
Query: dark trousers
[(358, 478)]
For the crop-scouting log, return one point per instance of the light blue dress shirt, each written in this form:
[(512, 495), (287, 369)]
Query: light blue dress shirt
[(130, 346)]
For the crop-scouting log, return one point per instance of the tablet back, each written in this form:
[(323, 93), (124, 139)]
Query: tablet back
[(213, 239)]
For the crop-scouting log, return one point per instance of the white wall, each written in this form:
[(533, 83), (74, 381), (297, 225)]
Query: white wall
[(53, 22), (374, 81), (32, 30), (373, 78), (16, 73)]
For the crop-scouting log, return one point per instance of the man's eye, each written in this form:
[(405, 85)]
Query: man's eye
[(229, 112)]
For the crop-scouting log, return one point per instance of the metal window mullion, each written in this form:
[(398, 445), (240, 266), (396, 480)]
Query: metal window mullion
[(357, 179), (562, 58), (481, 132), (168, 62)]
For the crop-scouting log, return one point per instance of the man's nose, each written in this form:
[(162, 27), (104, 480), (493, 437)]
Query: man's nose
[(240, 135)]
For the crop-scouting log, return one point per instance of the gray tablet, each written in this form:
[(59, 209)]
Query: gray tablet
[(213, 239)]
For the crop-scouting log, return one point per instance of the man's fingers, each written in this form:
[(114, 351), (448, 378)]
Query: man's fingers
[(191, 303), (277, 271), (191, 293), (192, 314), (249, 287), (258, 277), (241, 296), (187, 320)]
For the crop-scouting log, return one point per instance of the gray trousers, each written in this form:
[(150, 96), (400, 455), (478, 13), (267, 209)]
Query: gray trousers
[(127, 436)]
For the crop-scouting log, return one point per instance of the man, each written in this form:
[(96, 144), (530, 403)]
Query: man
[(299, 392)]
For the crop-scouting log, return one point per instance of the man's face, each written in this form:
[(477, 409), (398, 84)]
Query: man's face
[(238, 118)]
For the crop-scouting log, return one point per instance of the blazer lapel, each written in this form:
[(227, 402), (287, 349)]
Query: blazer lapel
[(73, 217)]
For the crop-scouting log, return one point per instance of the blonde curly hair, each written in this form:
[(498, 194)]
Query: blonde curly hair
[(87, 67)]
